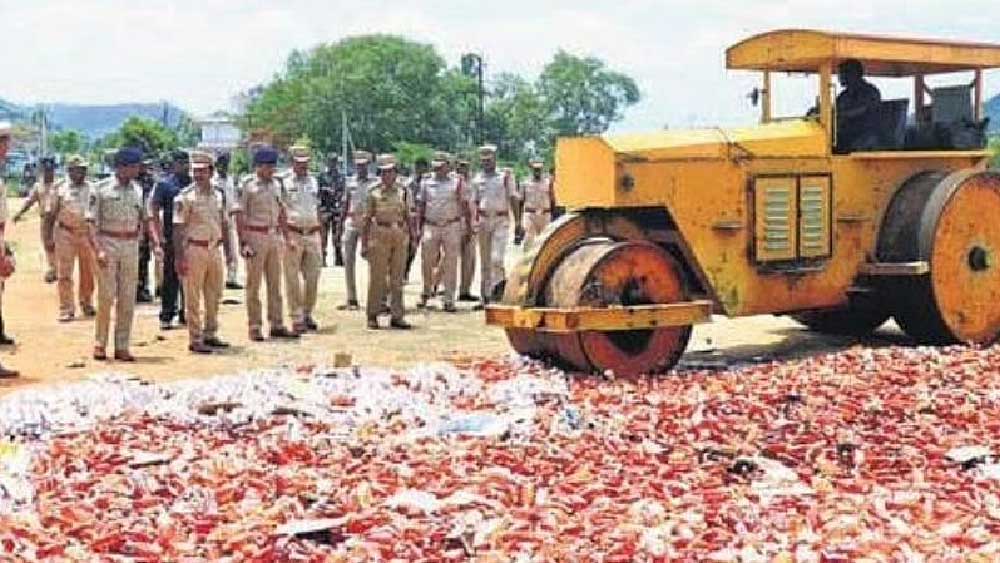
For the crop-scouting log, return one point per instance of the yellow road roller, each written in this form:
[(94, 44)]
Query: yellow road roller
[(665, 229)]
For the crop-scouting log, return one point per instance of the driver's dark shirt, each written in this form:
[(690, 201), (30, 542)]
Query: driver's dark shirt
[(852, 130)]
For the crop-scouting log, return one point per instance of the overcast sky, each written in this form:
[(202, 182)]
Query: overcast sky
[(198, 53)]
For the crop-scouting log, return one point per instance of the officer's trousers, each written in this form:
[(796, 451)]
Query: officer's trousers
[(493, 234), (72, 248), (534, 223), (203, 282), (302, 269), (171, 293), (439, 249), (116, 287), (467, 257), (386, 265), (264, 266), (352, 235)]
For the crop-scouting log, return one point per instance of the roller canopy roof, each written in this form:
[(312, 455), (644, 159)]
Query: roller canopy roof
[(795, 50)]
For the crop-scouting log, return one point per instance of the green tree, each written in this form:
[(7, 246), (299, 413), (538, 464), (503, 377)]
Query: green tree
[(147, 134), (68, 142), (390, 88), (995, 149), (516, 119), (583, 96)]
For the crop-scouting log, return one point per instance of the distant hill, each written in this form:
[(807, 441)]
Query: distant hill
[(95, 120)]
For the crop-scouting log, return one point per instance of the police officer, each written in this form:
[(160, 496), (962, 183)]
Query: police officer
[(355, 198), (260, 220), (331, 199), (303, 259), (162, 201), (41, 194), (442, 214), (5, 133), (147, 182), (467, 254), (117, 217), (420, 167), (536, 197), (385, 235), (225, 185), (199, 230), (66, 230), (496, 197)]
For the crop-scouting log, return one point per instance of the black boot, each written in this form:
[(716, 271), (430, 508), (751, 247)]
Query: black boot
[(4, 339)]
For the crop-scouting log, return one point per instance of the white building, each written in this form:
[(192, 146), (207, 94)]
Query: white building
[(219, 132)]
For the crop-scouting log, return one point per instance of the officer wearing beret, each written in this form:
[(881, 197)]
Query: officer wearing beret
[(66, 230), (162, 202), (4, 258), (117, 217), (41, 194), (260, 221)]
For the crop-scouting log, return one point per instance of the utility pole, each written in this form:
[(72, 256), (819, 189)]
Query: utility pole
[(473, 67)]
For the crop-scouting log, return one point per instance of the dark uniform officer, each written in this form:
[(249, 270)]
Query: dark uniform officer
[(162, 201), (331, 204), (147, 182)]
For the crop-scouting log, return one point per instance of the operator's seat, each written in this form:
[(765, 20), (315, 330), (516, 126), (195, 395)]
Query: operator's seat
[(892, 124)]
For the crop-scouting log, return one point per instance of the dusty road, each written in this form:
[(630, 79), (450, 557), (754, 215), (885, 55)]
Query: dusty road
[(51, 352)]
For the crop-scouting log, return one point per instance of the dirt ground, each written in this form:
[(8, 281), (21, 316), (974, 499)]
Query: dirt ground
[(50, 352)]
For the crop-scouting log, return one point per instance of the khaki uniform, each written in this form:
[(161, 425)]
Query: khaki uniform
[(493, 193), (3, 238), (69, 232), (467, 254), (443, 202), (118, 216), (203, 220), (260, 203), (537, 197), (357, 192), (304, 260), (388, 238), (46, 193), (230, 246)]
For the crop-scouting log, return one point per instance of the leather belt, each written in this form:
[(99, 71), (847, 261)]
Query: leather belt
[(494, 213), (264, 230), (66, 227), (303, 232), (201, 243), (123, 235), (536, 209), (391, 224), (442, 223)]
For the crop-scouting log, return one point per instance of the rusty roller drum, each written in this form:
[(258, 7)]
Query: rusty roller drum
[(599, 273), (951, 220)]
